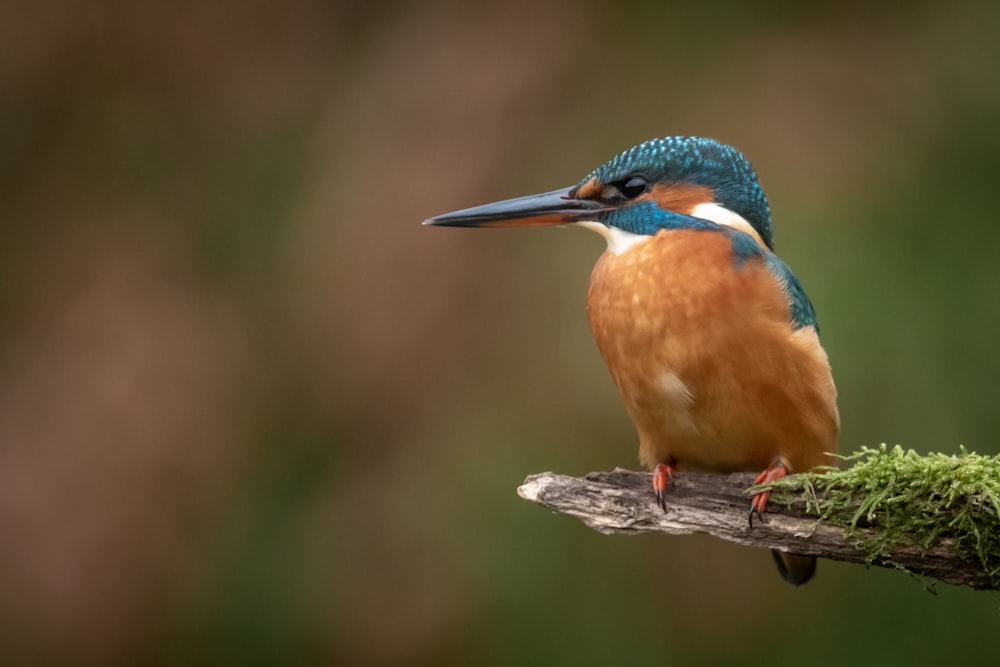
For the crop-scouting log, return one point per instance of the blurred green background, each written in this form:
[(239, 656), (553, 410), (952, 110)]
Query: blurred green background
[(251, 412)]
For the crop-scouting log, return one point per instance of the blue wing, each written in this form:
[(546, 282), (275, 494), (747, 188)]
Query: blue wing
[(803, 313)]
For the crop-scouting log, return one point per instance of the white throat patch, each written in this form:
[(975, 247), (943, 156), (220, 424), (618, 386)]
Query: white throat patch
[(618, 239)]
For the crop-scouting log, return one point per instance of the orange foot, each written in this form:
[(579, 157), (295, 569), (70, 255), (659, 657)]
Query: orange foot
[(663, 474), (777, 470)]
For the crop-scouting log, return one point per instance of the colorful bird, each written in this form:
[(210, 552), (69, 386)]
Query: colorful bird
[(709, 336)]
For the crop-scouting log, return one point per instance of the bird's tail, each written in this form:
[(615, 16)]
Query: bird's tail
[(793, 568)]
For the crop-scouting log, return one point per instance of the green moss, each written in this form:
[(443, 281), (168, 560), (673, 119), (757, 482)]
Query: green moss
[(910, 499)]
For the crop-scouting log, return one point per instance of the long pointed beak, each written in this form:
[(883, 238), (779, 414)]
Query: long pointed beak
[(551, 208)]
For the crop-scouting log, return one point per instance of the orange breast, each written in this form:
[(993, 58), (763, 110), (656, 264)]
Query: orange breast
[(711, 370)]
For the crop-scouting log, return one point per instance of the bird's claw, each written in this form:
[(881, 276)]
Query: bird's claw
[(757, 506), (663, 474), (777, 470)]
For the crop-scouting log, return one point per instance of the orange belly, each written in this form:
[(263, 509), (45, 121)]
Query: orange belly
[(711, 369)]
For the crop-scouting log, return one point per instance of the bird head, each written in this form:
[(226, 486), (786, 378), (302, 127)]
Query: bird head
[(656, 185)]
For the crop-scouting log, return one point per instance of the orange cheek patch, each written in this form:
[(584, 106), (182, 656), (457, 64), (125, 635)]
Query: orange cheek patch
[(589, 190), (680, 197)]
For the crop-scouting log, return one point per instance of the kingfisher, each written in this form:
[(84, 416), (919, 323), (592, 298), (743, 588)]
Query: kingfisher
[(710, 338)]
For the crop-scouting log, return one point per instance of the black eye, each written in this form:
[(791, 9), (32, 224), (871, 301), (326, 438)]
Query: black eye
[(633, 186)]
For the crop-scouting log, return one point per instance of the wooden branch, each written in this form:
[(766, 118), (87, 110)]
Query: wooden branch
[(622, 501)]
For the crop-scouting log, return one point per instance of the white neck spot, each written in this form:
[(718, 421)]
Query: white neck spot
[(721, 215)]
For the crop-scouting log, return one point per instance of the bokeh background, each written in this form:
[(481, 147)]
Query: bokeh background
[(251, 412)]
